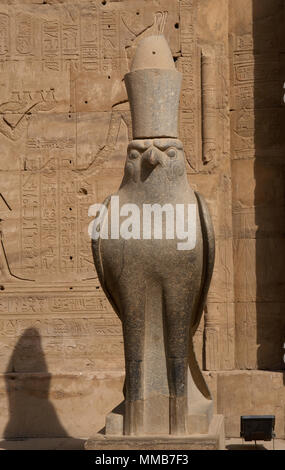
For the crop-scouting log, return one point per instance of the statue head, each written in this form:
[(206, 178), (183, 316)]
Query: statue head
[(148, 157), (153, 87)]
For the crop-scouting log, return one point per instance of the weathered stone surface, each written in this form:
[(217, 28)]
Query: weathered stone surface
[(258, 207), (243, 393), (256, 324), (214, 440), (259, 266), (257, 142), (56, 405)]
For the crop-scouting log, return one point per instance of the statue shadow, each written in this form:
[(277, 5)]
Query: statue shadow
[(31, 413)]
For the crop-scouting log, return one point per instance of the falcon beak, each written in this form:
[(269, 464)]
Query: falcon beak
[(154, 157)]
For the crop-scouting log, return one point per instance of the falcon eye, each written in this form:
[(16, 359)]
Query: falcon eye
[(134, 154), (171, 153)]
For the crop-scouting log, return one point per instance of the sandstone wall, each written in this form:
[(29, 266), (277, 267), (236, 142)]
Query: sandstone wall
[(256, 37), (64, 128)]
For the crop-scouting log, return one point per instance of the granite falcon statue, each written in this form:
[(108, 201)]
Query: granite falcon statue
[(157, 290)]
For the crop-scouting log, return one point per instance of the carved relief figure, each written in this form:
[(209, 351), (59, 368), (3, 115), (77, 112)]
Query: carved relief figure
[(14, 113), (134, 23), (6, 274)]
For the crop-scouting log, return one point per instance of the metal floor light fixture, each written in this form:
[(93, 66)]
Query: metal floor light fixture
[(257, 428)]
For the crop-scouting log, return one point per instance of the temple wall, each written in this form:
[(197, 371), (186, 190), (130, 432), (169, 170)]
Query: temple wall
[(64, 129)]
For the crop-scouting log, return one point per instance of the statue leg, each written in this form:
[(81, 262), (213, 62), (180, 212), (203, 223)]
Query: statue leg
[(177, 317), (133, 331)]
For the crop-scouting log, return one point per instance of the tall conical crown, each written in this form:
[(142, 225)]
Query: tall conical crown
[(153, 87)]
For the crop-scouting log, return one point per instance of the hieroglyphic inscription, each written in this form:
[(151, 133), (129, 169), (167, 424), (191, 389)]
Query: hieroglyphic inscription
[(92, 38), (32, 304), (75, 354), (209, 107), (30, 227), (189, 106), (212, 338), (255, 85), (76, 327), (68, 227), (49, 215), (243, 70), (80, 329), (24, 34), (43, 143), (89, 42), (44, 52), (70, 35), (51, 45), (4, 34), (110, 43), (83, 240), (61, 327), (89, 46)]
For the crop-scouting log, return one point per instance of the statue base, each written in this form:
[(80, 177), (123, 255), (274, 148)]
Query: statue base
[(213, 440)]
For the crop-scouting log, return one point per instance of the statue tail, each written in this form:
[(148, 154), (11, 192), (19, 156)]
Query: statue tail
[(208, 258), (196, 375)]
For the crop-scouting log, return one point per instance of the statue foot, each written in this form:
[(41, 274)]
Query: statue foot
[(177, 415), (133, 422)]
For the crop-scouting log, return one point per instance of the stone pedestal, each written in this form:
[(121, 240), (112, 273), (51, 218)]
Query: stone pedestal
[(213, 440)]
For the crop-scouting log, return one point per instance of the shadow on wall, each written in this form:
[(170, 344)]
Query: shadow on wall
[(268, 122), (27, 385)]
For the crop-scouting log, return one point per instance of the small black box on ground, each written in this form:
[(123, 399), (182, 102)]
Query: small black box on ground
[(257, 427)]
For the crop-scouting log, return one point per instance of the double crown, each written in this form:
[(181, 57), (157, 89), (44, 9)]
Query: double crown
[(153, 87)]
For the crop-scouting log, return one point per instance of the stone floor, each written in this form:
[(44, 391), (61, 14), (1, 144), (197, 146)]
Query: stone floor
[(78, 444), (66, 443), (238, 444)]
